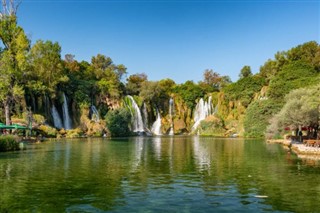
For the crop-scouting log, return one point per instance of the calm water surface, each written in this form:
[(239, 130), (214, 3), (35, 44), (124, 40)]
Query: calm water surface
[(160, 174)]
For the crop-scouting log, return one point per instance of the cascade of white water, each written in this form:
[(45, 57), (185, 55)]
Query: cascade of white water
[(171, 110), (203, 110), (171, 132), (137, 118), (66, 117), (145, 116), (94, 114), (156, 126), (56, 117)]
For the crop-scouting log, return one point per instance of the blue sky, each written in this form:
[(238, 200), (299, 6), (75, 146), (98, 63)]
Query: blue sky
[(174, 39)]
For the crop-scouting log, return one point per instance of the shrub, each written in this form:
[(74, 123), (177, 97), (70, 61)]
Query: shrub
[(47, 131), (118, 122), (74, 133), (258, 115), (212, 126), (8, 143)]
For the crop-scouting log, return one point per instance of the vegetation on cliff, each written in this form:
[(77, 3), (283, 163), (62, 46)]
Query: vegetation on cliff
[(36, 77)]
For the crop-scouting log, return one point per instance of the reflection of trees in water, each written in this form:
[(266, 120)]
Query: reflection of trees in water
[(106, 172)]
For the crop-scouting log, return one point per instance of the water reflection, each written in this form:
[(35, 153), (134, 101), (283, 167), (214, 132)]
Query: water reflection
[(157, 147), (156, 174), (138, 143), (202, 154)]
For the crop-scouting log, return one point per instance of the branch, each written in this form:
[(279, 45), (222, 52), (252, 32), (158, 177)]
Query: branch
[(9, 7)]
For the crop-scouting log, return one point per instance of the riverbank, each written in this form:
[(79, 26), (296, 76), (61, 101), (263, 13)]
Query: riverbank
[(299, 148)]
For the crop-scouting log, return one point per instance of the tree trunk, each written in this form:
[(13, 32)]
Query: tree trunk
[(7, 112)]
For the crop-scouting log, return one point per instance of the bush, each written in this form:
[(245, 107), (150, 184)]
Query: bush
[(258, 115), (244, 89), (118, 122), (74, 133), (212, 126), (47, 131), (8, 143)]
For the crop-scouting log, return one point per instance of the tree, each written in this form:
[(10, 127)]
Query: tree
[(71, 64), (292, 76), (215, 80), (13, 61), (308, 52), (46, 67), (244, 89), (189, 92), (108, 76), (118, 122), (258, 115), (152, 92), (301, 108), (134, 83), (245, 72)]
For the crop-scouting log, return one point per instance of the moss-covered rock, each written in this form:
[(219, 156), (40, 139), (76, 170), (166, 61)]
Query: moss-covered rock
[(90, 127)]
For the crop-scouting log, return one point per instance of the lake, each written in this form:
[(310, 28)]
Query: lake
[(158, 174)]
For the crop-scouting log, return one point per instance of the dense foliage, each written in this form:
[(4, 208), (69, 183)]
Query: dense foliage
[(292, 76), (257, 117), (189, 91), (37, 78), (301, 108), (8, 143), (244, 89), (118, 122)]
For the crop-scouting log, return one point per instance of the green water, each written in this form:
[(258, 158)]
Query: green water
[(161, 174)]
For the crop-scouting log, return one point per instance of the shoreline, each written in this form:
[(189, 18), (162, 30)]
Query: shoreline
[(298, 148)]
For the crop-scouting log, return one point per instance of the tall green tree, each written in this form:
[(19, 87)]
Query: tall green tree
[(301, 108), (189, 92), (108, 76), (46, 70), (134, 83), (13, 59), (292, 76), (245, 72)]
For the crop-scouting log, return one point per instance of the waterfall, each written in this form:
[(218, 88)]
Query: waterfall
[(156, 126), (171, 110), (171, 132), (66, 117), (137, 118), (203, 110), (145, 116), (94, 114), (56, 117)]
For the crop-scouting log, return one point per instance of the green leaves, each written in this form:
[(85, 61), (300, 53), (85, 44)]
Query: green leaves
[(258, 115), (245, 72), (46, 66), (244, 89), (189, 92), (292, 76), (118, 122)]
